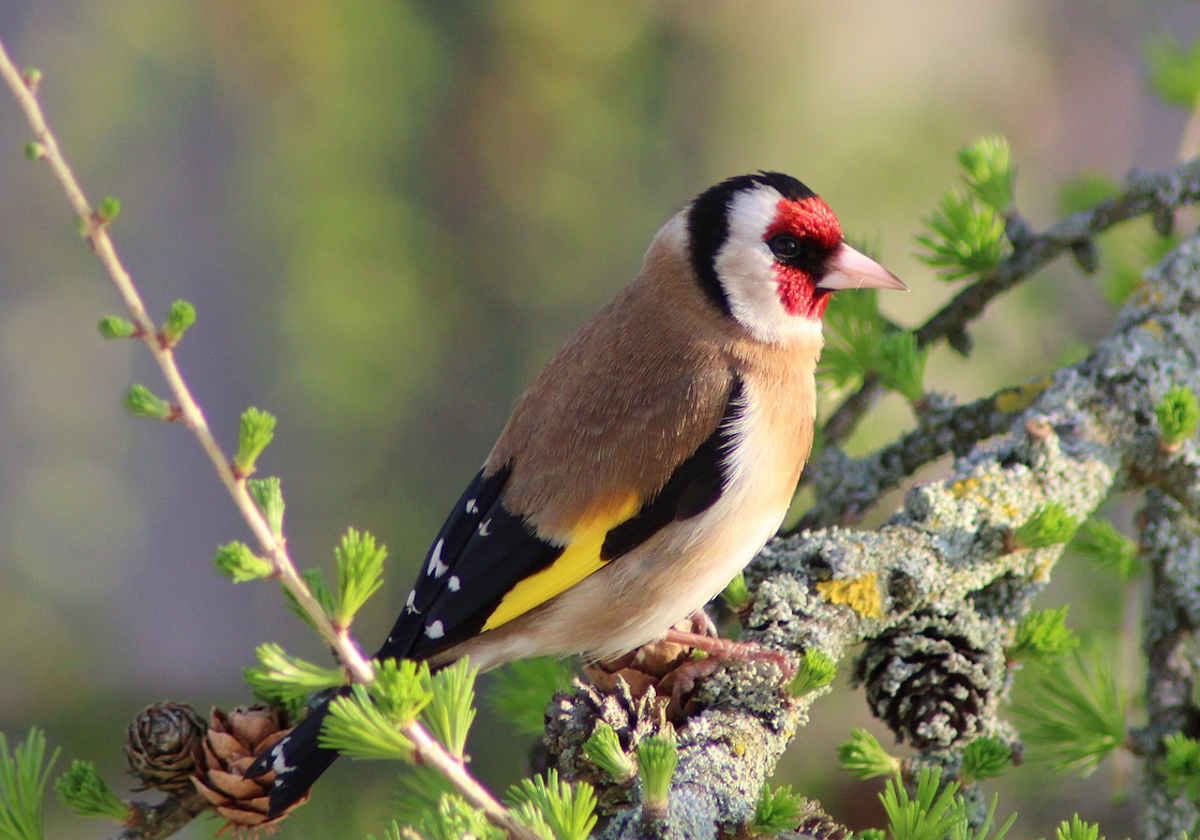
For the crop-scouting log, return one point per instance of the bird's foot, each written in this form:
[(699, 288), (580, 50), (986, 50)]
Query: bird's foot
[(701, 623), (724, 650), (719, 652)]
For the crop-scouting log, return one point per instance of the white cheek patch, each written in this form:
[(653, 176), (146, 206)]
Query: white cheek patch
[(746, 269)]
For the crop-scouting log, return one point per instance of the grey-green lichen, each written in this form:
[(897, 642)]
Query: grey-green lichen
[(1089, 431)]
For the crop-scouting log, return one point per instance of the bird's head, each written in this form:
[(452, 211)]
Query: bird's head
[(768, 251)]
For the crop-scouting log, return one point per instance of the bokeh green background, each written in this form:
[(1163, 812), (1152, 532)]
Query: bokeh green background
[(388, 213)]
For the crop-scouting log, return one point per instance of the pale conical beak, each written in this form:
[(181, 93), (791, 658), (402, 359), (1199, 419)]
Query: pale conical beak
[(851, 269)]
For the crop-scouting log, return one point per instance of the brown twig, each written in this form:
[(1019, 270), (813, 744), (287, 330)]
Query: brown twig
[(359, 668), (155, 822), (1144, 193)]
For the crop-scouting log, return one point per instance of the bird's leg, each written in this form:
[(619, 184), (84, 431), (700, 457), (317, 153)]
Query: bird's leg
[(702, 623), (724, 650), (719, 651)]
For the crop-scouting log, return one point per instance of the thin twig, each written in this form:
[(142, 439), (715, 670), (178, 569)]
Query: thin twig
[(1144, 193), (155, 822), (190, 415)]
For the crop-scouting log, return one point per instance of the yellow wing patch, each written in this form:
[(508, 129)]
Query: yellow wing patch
[(579, 559)]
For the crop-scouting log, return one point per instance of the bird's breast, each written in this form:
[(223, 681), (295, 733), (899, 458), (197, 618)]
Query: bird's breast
[(689, 562)]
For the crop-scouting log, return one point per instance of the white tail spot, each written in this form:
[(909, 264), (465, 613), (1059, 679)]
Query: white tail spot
[(453, 583), (435, 630)]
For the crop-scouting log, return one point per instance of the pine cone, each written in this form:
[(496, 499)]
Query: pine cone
[(572, 717), (160, 746), (820, 826), (228, 749), (934, 680)]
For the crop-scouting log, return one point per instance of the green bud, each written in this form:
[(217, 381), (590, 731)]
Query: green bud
[(603, 748), (34, 150), (283, 680), (1043, 636), (984, 758), (111, 326), (656, 758), (108, 209), (737, 594), (864, 757), (816, 670), (900, 363), (1182, 764), (964, 236), (1100, 542), (987, 164), (1177, 414), (257, 429), (32, 77), (776, 811), (236, 561), (268, 496), (1049, 525), (142, 402), (81, 788), (180, 316), (360, 574), (871, 834)]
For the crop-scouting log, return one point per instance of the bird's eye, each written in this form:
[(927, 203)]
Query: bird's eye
[(784, 246)]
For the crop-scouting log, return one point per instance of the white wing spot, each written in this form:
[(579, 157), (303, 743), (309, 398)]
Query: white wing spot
[(453, 583), (485, 527), (411, 604), (435, 630), (472, 507), (436, 567), (279, 765)]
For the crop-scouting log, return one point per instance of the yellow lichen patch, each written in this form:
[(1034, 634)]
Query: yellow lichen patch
[(861, 594), (737, 748), (1152, 327), (1018, 399), (964, 486)]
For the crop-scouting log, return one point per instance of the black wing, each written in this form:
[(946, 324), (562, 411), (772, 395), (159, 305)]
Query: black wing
[(482, 551)]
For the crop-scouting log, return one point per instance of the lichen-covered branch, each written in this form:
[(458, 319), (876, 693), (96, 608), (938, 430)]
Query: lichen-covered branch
[(942, 580), (1144, 193), (846, 487), (1172, 551)]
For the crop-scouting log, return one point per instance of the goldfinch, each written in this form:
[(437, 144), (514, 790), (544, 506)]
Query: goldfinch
[(649, 461)]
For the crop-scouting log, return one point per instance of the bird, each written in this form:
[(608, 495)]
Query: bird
[(648, 462)]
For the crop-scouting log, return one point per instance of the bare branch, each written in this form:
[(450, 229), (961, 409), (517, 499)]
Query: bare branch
[(1145, 193), (427, 749)]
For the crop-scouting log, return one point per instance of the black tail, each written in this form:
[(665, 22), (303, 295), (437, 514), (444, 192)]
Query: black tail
[(298, 760)]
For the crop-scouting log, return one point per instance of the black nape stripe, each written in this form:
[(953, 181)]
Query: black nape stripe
[(694, 487), (708, 224)]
